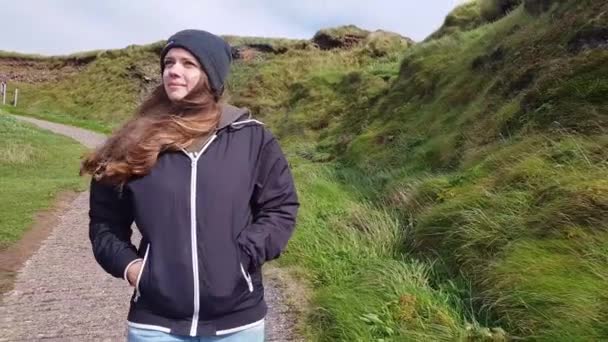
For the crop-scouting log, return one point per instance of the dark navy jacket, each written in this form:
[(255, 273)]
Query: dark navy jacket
[(208, 220)]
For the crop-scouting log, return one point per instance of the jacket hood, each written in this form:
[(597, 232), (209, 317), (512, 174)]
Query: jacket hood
[(231, 114)]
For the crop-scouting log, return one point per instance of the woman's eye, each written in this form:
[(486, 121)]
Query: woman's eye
[(168, 62)]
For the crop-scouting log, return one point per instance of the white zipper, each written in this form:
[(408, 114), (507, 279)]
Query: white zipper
[(247, 278), (193, 175), (141, 271)]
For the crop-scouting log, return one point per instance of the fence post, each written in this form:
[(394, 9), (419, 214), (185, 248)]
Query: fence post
[(16, 96), (3, 93)]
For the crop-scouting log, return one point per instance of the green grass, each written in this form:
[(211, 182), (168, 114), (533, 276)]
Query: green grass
[(62, 118), (366, 287), (509, 224), (34, 167), (525, 227)]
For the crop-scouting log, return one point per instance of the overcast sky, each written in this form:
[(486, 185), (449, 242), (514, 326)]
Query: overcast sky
[(65, 26)]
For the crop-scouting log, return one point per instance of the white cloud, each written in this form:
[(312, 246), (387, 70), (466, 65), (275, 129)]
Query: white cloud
[(67, 26)]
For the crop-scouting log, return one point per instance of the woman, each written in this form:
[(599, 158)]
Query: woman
[(211, 192)]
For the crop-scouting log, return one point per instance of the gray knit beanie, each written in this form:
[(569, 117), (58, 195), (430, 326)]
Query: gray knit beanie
[(212, 52)]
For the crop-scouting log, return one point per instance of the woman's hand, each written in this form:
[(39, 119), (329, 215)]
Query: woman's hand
[(133, 272)]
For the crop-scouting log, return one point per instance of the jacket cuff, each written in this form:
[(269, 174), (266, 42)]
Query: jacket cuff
[(121, 260), (127, 268)]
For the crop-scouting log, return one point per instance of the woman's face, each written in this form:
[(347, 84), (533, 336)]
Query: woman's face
[(181, 74)]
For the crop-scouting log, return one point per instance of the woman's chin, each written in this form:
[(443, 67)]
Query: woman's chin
[(176, 96)]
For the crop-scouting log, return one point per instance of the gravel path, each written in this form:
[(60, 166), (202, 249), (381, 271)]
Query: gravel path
[(61, 294)]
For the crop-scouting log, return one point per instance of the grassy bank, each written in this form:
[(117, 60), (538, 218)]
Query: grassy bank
[(366, 285), (34, 166)]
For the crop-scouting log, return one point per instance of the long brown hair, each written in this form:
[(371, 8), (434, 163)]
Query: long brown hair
[(158, 125)]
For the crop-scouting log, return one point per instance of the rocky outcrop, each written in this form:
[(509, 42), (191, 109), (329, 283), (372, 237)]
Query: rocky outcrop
[(252, 51), (377, 43), (342, 37)]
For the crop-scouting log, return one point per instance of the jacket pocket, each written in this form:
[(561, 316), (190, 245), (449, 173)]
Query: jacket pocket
[(227, 284), (163, 286), (141, 272), (224, 276)]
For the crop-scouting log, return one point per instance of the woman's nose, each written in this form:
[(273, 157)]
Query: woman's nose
[(175, 69)]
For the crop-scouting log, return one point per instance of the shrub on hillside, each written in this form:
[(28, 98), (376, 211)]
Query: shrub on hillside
[(537, 7), (382, 43), (463, 18), (495, 9)]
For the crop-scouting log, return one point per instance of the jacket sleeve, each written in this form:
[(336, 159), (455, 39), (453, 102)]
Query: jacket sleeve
[(274, 206), (111, 216)]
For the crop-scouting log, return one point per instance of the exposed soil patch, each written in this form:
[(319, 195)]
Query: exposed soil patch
[(37, 71)]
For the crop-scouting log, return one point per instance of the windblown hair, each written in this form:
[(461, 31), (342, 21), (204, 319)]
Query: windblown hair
[(158, 125)]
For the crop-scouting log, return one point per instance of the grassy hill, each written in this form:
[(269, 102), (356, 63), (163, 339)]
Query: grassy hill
[(452, 189)]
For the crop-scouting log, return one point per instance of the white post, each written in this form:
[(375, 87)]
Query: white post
[(16, 95)]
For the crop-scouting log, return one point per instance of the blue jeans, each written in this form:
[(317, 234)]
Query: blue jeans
[(253, 334)]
